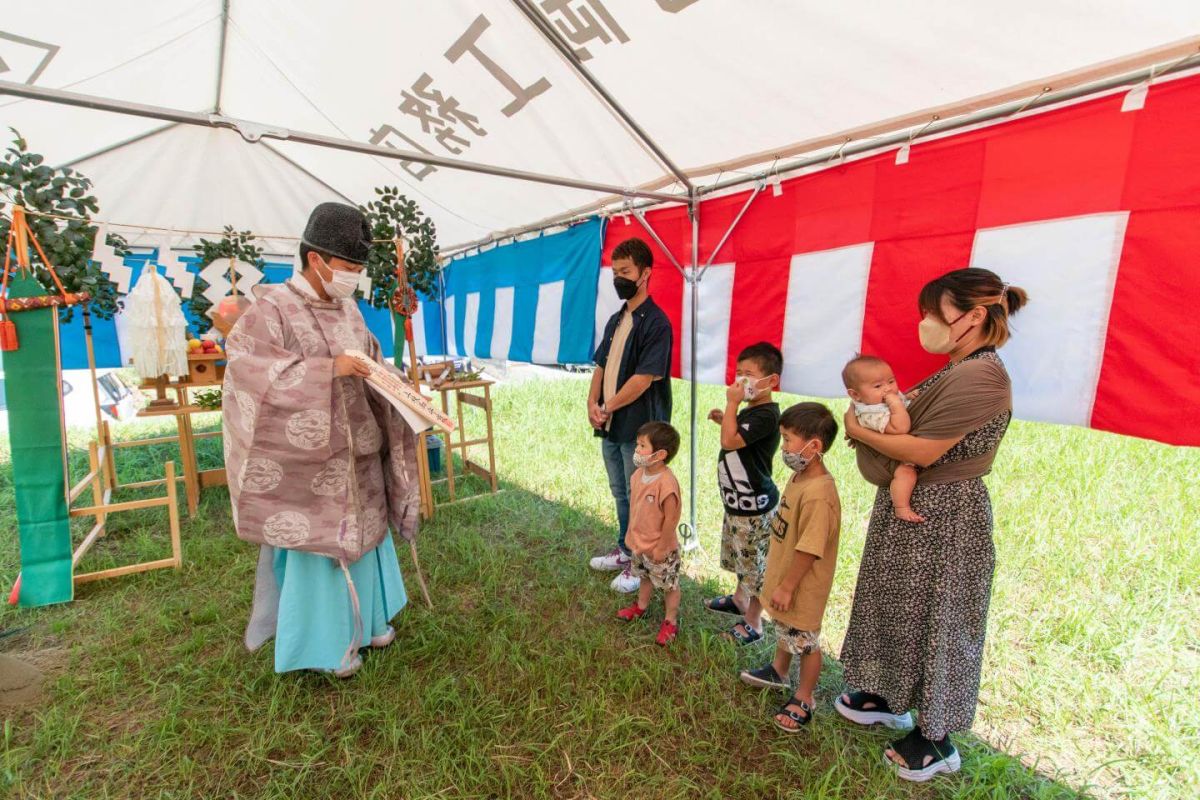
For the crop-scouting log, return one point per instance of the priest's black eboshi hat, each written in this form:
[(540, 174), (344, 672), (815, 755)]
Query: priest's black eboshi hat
[(340, 230)]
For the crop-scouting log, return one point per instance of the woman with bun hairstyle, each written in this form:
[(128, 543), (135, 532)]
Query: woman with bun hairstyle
[(916, 633)]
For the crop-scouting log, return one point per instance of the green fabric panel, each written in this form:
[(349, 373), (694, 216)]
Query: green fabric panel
[(35, 433)]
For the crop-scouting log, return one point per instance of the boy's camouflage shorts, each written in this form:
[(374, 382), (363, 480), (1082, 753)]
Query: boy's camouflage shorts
[(744, 543), (797, 642), (663, 575)]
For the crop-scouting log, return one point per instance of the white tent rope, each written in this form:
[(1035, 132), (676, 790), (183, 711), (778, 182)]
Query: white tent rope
[(171, 230)]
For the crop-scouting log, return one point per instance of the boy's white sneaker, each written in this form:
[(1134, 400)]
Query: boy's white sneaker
[(610, 562), (626, 582)]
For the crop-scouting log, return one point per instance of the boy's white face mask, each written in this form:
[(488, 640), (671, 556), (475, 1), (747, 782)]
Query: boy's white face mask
[(798, 461), (750, 385), (341, 284), (642, 461)]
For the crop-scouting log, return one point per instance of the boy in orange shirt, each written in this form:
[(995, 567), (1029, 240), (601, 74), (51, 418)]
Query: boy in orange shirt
[(654, 507), (801, 560)]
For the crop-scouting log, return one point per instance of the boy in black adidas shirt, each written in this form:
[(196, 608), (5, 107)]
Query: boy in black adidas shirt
[(749, 441)]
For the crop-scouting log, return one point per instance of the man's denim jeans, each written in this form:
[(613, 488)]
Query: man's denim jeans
[(618, 460)]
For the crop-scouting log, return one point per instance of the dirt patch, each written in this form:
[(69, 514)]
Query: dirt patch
[(22, 676)]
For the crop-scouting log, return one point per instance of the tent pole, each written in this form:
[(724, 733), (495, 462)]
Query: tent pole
[(254, 131), (568, 53), (758, 187), (865, 146), (654, 235), (221, 56), (949, 123), (694, 213)]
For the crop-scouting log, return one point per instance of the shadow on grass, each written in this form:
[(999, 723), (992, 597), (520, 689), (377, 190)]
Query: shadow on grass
[(519, 683)]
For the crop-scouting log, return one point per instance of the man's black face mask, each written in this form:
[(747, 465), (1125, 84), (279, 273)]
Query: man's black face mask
[(626, 288)]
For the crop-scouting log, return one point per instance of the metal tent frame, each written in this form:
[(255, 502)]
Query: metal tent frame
[(1132, 70)]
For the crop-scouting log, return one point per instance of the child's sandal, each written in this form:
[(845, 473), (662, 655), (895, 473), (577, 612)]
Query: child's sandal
[(631, 613), (786, 711), (723, 605), (743, 634), (667, 633)]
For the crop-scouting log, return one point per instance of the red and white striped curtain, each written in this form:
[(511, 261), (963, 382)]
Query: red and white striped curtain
[(1093, 209)]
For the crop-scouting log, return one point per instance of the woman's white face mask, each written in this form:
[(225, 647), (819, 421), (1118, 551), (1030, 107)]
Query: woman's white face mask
[(341, 283)]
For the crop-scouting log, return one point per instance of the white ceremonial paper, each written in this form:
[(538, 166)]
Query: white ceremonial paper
[(417, 410)]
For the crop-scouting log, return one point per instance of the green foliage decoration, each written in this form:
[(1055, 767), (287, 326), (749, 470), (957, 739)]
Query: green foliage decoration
[(26, 180), (236, 244)]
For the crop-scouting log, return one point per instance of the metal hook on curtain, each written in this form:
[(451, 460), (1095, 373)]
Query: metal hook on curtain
[(1135, 98), (902, 153), (838, 154), (773, 178)]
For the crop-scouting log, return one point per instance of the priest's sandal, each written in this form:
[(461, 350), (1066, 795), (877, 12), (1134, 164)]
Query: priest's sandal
[(864, 708), (667, 633), (932, 757), (743, 634), (631, 613), (384, 639), (764, 678), (723, 605), (799, 712)]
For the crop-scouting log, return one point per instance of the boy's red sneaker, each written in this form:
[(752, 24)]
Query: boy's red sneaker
[(667, 632), (630, 614)]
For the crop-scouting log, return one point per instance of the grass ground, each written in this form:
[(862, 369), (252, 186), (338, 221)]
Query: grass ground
[(520, 684)]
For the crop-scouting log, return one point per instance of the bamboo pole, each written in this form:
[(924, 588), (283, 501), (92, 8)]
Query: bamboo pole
[(91, 360), (173, 514), (412, 546)]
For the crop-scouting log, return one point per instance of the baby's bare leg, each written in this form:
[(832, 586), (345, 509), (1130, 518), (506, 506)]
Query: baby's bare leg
[(904, 480)]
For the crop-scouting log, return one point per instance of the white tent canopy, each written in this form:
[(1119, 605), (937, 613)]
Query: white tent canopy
[(719, 86)]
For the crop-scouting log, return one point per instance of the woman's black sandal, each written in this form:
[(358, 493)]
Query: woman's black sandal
[(933, 757), (864, 708), (786, 710)]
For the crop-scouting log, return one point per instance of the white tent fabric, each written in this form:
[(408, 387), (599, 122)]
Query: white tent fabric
[(713, 82), (198, 179)]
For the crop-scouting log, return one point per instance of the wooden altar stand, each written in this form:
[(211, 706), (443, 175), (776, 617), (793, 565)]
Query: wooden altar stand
[(465, 393), (194, 479)]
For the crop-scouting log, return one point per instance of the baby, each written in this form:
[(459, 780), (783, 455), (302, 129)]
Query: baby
[(880, 406)]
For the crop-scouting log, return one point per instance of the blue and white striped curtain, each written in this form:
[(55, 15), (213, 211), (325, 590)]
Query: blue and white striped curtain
[(527, 301)]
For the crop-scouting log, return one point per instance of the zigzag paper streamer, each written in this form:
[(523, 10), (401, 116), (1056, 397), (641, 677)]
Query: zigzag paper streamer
[(248, 275), (110, 263), (176, 270), (218, 284)]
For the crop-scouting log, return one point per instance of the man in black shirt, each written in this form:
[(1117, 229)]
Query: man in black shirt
[(749, 441), (630, 387)]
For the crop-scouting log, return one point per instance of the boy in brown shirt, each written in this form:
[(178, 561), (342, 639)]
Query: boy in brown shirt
[(801, 560), (654, 506)]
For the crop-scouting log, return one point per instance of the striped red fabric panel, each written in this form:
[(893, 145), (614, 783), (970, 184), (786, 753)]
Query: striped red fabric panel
[(1094, 210)]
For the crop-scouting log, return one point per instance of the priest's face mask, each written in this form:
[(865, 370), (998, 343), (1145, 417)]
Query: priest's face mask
[(338, 276)]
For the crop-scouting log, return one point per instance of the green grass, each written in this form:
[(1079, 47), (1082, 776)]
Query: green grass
[(520, 683)]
